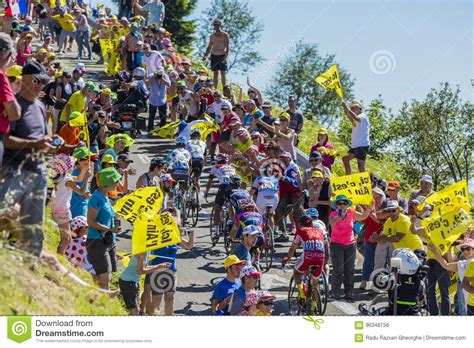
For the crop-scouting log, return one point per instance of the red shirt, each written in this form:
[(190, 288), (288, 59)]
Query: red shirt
[(312, 240), (5, 96), (371, 227)]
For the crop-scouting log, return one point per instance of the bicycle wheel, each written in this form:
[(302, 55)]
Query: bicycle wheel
[(227, 240), (313, 302), (193, 203), (323, 291), (182, 208), (294, 308), (268, 249), (214, 238)]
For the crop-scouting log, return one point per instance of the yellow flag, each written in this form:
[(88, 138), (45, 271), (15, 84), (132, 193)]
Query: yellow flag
[(356, 187), (157, 232), (167, 132), (453, 196), (79, 121), (330, 80), (206, 126), (147, 200), (444, 229)]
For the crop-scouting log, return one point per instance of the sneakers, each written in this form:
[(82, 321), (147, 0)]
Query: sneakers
[(282, 239), (349, 297), (363, 285)]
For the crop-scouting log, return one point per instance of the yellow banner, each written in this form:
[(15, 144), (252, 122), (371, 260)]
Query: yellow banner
[(166, 132), (154, 233), (207, 126), (330, 80), (445, 229), (356, 187), (147, 200), (53, 3), (455, 195)]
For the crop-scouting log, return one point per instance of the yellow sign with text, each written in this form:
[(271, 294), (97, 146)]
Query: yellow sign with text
[(356, 187), (155, 233), (445, 229), (331, 80), (455, 195), (147, 200), (166, 132)]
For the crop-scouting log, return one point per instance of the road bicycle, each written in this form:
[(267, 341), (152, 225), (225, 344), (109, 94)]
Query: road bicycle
[(192, 201), (316, 297), (224, 228), (268, 247), (180, 200)]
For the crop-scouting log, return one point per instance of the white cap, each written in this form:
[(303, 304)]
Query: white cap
[(252, 229)]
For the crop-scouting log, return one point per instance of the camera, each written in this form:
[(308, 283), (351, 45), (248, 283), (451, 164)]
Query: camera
[(159, 76)]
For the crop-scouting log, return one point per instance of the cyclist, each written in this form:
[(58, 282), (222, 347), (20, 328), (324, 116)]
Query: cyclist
[(197, 148), (319, 224), (178, 161), (314, 246), (265, 193), (249, 216), (234, 195)]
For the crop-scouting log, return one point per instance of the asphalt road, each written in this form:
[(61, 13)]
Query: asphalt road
[(202, 267)]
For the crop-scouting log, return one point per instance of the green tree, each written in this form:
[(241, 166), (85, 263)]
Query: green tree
[(181, 29), (243, 28), (436, 137), (295, 76), (380, 132)]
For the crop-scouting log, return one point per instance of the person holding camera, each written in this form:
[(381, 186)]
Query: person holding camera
[(101, 233), (157, 84)]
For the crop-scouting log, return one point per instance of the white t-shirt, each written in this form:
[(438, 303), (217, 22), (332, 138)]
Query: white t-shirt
[(152, 62), (462, 267), (216, 108), (62, 194), (360, 133)]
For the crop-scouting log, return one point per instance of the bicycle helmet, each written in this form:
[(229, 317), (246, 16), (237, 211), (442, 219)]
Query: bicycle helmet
[(306, 221), (313, 213), (139, 72), (409, 262), (235, 179), (195, 131), (222, 158), (181, 141)]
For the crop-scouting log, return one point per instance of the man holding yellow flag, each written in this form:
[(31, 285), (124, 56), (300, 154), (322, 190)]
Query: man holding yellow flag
[(360, 142)]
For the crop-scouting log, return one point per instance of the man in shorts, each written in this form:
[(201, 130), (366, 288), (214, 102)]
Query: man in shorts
[(360, 136), (219, 49)]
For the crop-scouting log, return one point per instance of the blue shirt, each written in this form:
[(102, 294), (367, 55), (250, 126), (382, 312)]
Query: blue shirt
[(78, 203), (166, 254), (104, 217), (249, 118), (238, 301), (158, 91), (155, 12), (243, 254), (224, 289)]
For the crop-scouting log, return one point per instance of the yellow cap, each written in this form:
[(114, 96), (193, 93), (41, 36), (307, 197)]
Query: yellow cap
[(58, 74), (28, 36), (42, 51), (114, 17), (317, 174), (106, 91), (51, 55), (322, 131), (233, 260), (108, 159), (15, 71), (286, 116)]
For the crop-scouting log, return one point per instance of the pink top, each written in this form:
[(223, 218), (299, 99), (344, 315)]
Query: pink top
[(22, 60), (343, 231), (328, 161)]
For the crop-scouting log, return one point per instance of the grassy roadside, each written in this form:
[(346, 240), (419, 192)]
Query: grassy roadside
[(30, 288)]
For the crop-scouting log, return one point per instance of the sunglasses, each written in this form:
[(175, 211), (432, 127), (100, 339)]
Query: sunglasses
[(283, 120), (268, 303), (181, 88), (466, 248), (341, 203), (315, 159), (37, 81), (392, 211)]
